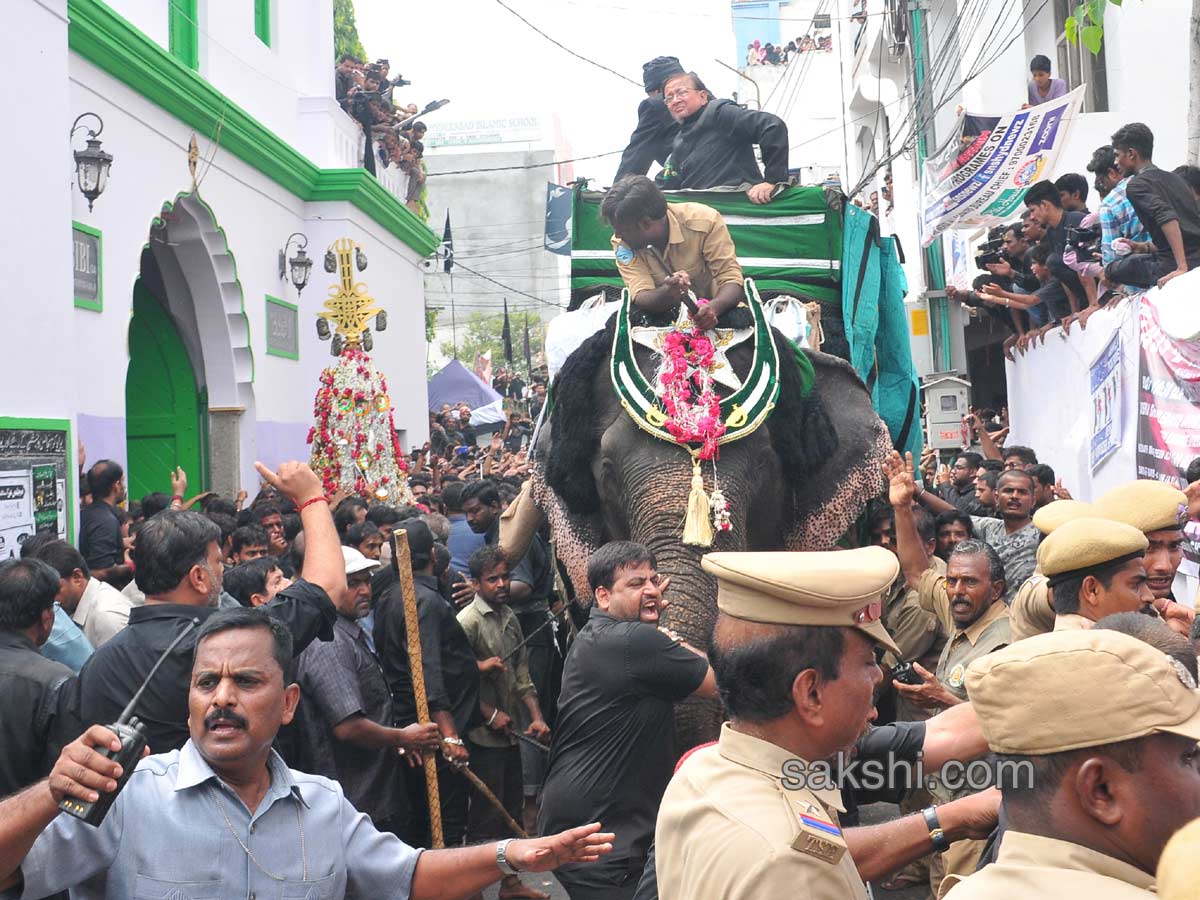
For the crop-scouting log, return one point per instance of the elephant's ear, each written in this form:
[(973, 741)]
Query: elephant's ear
[(801, 431), (573, 426)]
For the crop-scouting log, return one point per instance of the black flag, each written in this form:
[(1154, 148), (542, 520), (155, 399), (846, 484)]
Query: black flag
[(448, 241), (528, 354), (506, 335)]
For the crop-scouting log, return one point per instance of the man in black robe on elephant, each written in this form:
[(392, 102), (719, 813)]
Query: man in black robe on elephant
[(654, 135)]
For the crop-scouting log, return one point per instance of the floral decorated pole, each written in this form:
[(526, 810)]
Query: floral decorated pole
[(354, 445)]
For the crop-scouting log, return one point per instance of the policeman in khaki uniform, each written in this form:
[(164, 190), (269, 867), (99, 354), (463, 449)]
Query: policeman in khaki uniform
[(664, 251), (1094, 796), (1154, 508), (1177, 865), (1031, 611), (1094, 568), (728, 827)]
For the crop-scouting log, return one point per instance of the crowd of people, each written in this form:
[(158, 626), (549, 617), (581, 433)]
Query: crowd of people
[(1063, 260), (768, 54), (393, 136), (565, 713)]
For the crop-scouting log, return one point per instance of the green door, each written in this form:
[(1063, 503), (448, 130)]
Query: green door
[(162, 406)]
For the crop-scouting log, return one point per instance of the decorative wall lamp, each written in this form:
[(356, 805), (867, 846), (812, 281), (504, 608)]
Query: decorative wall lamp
[(91, 163), (300, 264)]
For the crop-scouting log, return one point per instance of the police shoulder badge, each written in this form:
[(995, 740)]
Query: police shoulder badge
[(817, 836), (624, 255)]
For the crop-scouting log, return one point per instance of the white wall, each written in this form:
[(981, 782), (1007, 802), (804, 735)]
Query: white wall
[(39, 324)]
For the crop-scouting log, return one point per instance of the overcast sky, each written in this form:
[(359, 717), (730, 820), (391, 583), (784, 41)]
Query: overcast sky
[(490, 64)]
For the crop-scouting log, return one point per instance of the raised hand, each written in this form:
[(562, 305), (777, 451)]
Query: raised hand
[(902, 487), (294, 480)]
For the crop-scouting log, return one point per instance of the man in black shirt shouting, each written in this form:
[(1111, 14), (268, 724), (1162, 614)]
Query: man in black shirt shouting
[(1167, 208), (613, 749)]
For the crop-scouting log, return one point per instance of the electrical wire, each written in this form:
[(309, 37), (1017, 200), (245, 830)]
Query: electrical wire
[(507, 287), (563, 46), (557, 162)]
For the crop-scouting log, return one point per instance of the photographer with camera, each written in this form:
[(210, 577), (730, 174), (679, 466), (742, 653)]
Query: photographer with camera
[(1004, 257), (1167, 208), (1046, 207)]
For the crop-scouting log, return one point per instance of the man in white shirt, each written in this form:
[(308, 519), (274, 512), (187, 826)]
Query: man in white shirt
[(98, 608)]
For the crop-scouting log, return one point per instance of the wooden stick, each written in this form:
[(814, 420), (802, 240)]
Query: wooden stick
[(492, 799), (402, 560)]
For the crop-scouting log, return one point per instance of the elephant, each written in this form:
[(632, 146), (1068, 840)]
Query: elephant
[(798, 482)]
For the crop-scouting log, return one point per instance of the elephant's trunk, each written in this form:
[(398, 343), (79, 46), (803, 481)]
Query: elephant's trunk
[(692, 594)]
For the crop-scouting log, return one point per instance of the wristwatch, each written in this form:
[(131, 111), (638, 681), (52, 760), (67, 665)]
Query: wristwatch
[(940, 843), (502, 858)]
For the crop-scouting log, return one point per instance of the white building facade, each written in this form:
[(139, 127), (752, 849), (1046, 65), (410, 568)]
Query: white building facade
[(173, 339)]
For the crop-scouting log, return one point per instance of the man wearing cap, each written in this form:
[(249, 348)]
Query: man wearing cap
[(651, 140), (1091, 800), (1031, 611), (793, 651), (665, 251), (1094, 567), (1159, 511), (345, 731)]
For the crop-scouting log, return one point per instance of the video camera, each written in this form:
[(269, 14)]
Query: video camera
[(990, 253), (1086, 242)]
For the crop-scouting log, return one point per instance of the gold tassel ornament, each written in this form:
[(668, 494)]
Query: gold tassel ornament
[(697, 526)]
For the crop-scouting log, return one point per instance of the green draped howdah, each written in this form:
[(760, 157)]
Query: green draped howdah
[(793, 244)]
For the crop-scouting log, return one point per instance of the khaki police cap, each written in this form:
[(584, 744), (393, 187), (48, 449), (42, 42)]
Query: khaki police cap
[(1146, 505), (1059, 512), (1084, 544), (1176, 879), (839, 587), (1092, 687)]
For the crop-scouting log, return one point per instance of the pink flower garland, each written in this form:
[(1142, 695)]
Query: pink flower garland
[(692, 405)]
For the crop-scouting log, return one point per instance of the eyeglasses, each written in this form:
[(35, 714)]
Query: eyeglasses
[(678, 95)]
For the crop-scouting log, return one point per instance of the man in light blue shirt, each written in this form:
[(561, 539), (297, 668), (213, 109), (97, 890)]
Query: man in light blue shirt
[(224, 818), (67, 643)]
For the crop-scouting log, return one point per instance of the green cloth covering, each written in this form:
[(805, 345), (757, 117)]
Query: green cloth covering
[(792, 244), (807, 373)]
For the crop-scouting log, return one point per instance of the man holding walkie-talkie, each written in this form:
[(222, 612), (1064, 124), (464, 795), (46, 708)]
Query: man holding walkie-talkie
[(224, 816)]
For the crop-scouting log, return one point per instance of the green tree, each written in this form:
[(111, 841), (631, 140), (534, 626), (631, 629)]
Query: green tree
[(345, 32), (484, 331)]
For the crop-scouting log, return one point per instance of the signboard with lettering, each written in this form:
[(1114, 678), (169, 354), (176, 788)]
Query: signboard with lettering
[(500, 130), (283, 328), (86, 264), (36, 478)]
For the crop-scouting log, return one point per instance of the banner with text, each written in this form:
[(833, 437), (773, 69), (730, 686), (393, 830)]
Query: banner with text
[(982, 177), (1168, 423)]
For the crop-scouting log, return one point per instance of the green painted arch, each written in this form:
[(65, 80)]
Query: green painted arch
[(159, 221)]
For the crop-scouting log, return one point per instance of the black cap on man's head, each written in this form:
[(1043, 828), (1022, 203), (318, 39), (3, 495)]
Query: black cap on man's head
[(658, 70)]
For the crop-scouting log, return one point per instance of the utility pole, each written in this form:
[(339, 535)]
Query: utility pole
[(934, 259)]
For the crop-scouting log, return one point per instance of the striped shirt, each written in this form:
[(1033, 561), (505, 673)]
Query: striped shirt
[(1118, 219)]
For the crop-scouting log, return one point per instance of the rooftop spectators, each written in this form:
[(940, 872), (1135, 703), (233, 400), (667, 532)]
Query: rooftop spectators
[(366, 92)]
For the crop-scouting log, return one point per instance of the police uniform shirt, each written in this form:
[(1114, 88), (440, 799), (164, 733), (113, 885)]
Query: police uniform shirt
[(1031, 611), (1071, 622), (697, 243), (1028, 865), (915, 630), (987, 633), (728, 828)]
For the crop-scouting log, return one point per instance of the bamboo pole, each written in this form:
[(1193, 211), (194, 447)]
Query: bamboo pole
[(402, 560)]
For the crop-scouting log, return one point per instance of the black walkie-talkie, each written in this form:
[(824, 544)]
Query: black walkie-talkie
[(132, 736)]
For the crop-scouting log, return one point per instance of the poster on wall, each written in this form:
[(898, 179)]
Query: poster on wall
[(35, 481), (1104, 379), (1168, 422)]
